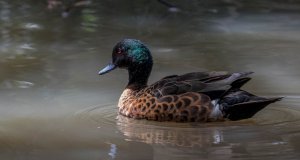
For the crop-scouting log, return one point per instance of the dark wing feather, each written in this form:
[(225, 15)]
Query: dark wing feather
[(199, 76), (193, 76), (239, 104), (213, 84)]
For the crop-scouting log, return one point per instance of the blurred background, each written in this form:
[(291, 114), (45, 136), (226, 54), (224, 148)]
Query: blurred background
[(53, 105)]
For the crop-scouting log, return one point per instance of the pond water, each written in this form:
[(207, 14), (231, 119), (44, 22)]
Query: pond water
[(55, 106)]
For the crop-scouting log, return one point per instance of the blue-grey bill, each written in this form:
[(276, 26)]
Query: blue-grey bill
[(107, 69)]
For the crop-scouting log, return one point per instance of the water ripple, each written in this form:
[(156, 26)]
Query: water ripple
[(102, 114)]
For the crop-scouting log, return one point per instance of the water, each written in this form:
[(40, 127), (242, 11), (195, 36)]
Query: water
[(55, 106)]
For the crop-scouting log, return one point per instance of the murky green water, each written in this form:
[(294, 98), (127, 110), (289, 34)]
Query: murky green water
[(53, 105)]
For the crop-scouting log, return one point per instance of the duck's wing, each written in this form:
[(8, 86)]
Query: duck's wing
[(213, 84), (238, 104), (193, 76), (204, 76)]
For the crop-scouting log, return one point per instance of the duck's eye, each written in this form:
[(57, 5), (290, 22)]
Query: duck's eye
[(119, 51)]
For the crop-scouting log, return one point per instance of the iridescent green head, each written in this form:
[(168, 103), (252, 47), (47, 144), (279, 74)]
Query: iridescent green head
[(134, 56)]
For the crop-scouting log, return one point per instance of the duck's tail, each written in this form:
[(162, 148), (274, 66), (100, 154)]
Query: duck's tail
[(239, 104)]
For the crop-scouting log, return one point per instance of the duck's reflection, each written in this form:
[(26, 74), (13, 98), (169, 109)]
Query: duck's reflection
[(175, 134), (202, 141)]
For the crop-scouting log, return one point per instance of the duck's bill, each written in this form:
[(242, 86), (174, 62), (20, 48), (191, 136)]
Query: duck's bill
[(107, 69)]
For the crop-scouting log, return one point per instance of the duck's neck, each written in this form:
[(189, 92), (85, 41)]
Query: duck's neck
[(138, 75)]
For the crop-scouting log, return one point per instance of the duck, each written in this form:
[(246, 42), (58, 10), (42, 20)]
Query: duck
[(206, 96)]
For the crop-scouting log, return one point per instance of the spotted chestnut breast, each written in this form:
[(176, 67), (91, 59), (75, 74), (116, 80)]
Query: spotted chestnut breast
[(189, 106)]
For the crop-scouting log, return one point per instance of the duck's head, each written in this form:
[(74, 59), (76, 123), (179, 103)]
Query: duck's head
[(134, 56)]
